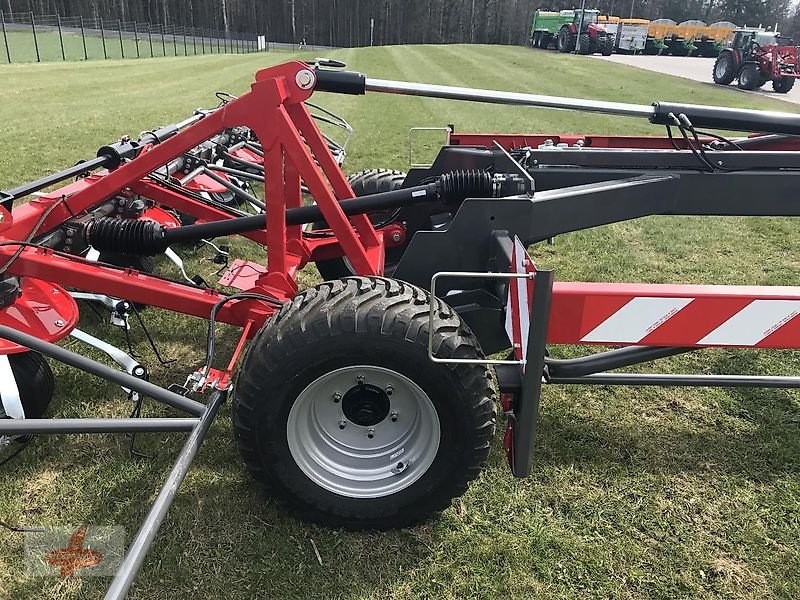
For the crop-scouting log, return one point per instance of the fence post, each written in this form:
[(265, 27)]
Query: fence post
[(175, 40), (163, 43), (194, 40), (60, 36), (136, 38), (5, 37), (83, 37), (103, 37), (119, 31), (202, 40), (217, 36), (35, 41), (185, 49), (150, 37)]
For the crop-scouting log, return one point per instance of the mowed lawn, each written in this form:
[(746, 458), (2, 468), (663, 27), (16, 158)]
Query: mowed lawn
[(635, 493)]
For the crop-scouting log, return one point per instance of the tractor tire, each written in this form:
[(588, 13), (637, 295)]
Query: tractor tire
[(607, 47), (584, 44), (34, 383), (566, 41), (340, 413), (724, 71), (782, 85), (750, 77), (364, 183), (537, 39)]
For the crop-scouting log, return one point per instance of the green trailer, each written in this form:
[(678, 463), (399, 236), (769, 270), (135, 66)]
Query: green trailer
[(546, 25)]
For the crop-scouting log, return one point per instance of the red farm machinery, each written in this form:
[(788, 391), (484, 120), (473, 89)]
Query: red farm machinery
[(756, 57), (368, 401)]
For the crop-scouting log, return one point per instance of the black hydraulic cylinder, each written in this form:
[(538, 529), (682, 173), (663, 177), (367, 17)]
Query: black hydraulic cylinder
[(341, 82), (714, 117)]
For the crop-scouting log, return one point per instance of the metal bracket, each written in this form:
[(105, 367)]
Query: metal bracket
[(433, 310)]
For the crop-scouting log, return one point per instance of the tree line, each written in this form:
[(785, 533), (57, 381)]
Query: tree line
[(379, 22)]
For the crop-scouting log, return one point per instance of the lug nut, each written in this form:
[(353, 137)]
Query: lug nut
[(360, 380), (370, 433), (342, 424), (389, 390), (396, 237), (394, 416), (337, 397), (59, 323)]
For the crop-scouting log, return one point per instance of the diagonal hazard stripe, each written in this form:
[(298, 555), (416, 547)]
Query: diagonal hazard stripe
[(753, 323), (635, 320)]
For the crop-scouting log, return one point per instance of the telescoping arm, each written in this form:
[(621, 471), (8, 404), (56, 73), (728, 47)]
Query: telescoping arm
[(659, 113)]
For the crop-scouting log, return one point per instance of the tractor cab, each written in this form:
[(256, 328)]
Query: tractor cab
[(589, 17), (747, 40)]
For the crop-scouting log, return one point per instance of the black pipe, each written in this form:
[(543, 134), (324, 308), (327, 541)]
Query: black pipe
[(607, 361), (303, 215)]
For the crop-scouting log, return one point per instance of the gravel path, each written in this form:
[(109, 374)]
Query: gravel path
[(697, 69)]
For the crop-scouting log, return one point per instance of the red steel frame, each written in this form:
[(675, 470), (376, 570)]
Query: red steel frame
[(274, 110)]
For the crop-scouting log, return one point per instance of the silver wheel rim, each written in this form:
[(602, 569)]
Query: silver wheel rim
[(363, 460)]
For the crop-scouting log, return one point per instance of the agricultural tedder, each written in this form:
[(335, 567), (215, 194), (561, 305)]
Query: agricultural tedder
[(368, 401), (755, 57)]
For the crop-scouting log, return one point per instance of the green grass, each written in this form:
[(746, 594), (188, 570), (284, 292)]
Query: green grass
[(23, 50), (635, 493)]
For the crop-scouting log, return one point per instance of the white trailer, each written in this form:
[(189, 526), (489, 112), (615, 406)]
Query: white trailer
[(631, 36)]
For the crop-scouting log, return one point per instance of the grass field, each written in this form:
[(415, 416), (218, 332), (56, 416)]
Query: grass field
[(635, 493)]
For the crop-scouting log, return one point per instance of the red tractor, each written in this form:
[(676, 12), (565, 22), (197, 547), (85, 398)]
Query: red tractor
[(592, 38), (756, 57)]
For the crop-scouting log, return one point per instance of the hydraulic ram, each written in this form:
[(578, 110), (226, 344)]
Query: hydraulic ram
[(659, 113)]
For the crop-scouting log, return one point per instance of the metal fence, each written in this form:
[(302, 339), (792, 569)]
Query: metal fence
[(28, 37)]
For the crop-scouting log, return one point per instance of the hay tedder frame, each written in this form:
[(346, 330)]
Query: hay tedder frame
[(437, 285)]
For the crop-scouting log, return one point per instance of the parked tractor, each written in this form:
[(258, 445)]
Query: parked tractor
[(585, 34), (571, 29), (755, 57)]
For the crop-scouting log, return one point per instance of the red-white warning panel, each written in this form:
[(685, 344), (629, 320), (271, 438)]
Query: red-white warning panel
[(675, 315), (519, 302)]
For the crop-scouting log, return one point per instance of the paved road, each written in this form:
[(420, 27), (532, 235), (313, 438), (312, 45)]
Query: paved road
[(697, 69)]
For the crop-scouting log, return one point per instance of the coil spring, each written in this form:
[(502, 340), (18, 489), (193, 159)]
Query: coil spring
[(456, 186), (126, 236)]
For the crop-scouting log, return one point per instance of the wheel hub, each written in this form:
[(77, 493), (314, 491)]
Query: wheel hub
[(363, 431), (366, 405)]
